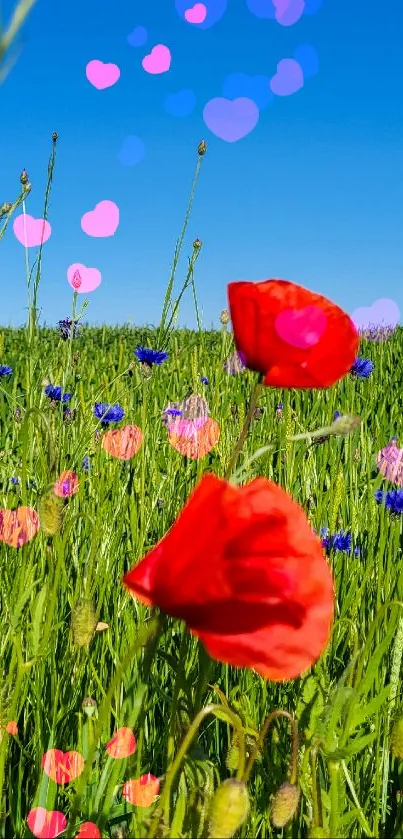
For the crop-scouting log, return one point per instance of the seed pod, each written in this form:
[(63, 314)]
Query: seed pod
[(224, 317), (232, 756), (83, 623), (229, 809), (89, 706), (396, 738), (50, 513), (285, 803)]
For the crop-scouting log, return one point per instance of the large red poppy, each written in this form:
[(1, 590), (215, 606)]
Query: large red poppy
[(295, 337), (247, 574)]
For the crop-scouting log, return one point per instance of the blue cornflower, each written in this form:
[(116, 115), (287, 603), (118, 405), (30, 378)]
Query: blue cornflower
[(5, 370), (108, 413), (393, 500), (340, 541), (68, 327), (173, 412), (204, 380), (86, 463), (14, 480), (336, 415), (54, 392), (150, 357), (362, 368)]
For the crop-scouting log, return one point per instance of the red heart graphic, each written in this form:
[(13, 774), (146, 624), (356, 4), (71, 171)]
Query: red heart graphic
[(62, 767), (18, 526), (123, 743), (301, 328), (88, 830), (141, 792), (123, 443), (46, 824)]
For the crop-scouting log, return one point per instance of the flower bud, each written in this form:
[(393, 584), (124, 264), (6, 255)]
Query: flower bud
[(55, 136), (224, 317), (83, 623), (89, 706), (24, 177), (202, 148), (229, 809), (345, 424), (197, 244), (396, 738), (285, 803), (50, 513), (5, 209), (232, 756)]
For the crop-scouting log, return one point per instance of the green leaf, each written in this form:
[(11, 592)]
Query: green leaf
[(371, 708)]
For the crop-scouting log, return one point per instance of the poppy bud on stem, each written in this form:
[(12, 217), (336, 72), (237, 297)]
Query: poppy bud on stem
[(221, 712), (286, 799)]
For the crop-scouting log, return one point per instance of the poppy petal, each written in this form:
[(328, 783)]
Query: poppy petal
[(294, 337), (245, 568)]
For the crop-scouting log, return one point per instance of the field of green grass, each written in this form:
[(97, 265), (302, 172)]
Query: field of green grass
[(129, 693), (344, 707)]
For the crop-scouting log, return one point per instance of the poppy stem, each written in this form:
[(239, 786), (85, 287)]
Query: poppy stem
[(245, 428), (220, 712), (260, 741)]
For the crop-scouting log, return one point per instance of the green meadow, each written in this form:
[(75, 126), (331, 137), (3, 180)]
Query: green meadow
[(81, 659)]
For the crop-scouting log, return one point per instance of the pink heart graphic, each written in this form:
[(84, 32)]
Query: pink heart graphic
[(90, 277), (102, 75), (301, 328), (31, 232), (102, 221), (46, 824), (197, 14), (158, 61)]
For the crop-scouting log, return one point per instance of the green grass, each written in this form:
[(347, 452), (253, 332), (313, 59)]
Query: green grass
[(146, 672)]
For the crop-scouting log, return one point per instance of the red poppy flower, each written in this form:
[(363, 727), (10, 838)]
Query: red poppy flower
[(46, 824), (123, 443), (247, 574), (12, 728), (141, 792), (66, 485), (88, 830), (18, 526), (123, 743), (295, 337), (62, 767)]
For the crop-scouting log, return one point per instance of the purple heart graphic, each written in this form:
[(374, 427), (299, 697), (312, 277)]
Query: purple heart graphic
[(289, 12), (231, 120), (288, 79), (383, 312)]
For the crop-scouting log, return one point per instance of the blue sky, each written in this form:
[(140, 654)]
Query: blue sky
[(313, 194)]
